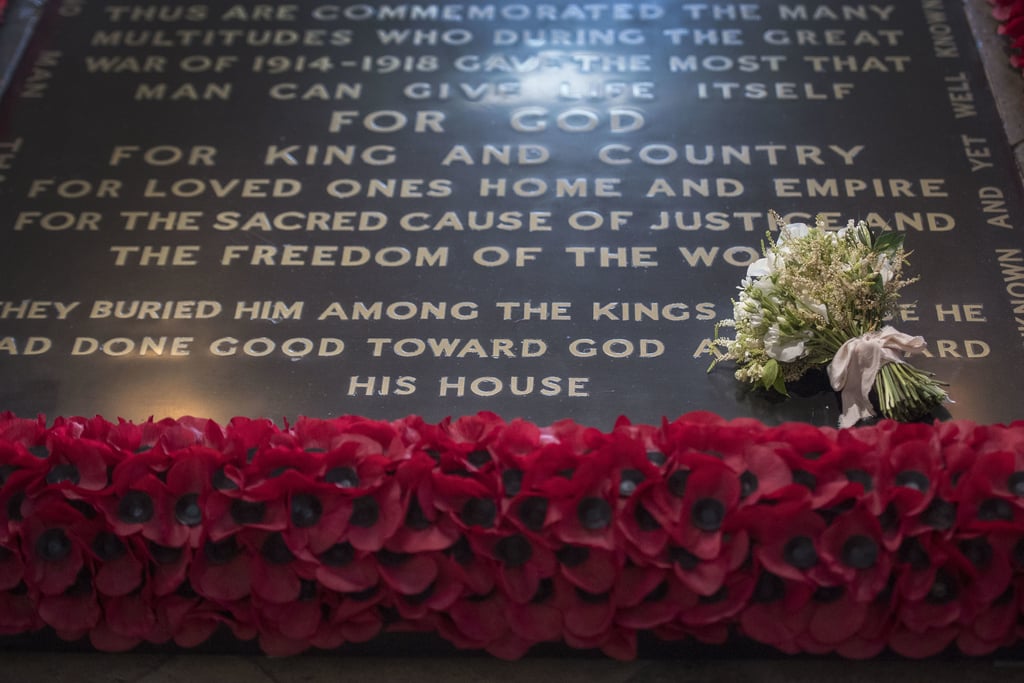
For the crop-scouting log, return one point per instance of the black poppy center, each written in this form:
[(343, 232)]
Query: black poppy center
[(221, 552), (342, 477), (512, 481), (913, 479), (861, 477), (164, 554), (978, 551), (532, 512), (479, 457), (1015, 483), (748, 483), (944, 589), (338, 555), (644, 519), (275, 550), (247, 511), (479, 512), (860, 552), (707, 514), (805, 479), (365, 512), (53, 545), (572, 555), (514, 551), (5, 472), (594, 513), (629, 480), (593, 598), (187, 510), (684, 558), (461, 551), (390, 558), (827, 594), (364, 595), (306, 510), (940, 514), (40, 451), (108, 546), (415, 518), (1017, 555), (799, 552), (656, 457), (913, 553), (222, 482), (677, 482), (135, 507), (545, 589), (995, 510), (63, 472), (770, 588)]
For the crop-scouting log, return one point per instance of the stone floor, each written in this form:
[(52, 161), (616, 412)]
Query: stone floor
[(47, 667), (97, 668)]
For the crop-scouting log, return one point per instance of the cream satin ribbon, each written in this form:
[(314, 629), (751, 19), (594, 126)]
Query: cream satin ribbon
[(854, 367)]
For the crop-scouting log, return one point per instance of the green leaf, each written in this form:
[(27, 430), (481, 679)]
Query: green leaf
[(772, 377), (889, 242)]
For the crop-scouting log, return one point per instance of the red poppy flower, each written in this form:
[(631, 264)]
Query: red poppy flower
[(119, 568), (288, 628), (138, 500), (276, 574), (346, 569), (221, 569), (539, 619), (104, 639), (588, 618), (18, 613), (12, 568), (723, 604), (649, 597), (520, 562), (708, 433), (29, 434), (705, 496), (777, 614), (425, 528), (374, 517), (471, 569), (185, 617), (833, 616), (852, 549), (787, 540), (128, 619), (475, 431), (354, 618), (168, 567), (77, 466), (921, 644), (73, 612), (55, 545), (475, 622), (988, 563), (991, 628), (873, 636)]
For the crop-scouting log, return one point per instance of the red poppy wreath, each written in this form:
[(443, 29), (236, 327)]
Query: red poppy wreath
[(500, 535)]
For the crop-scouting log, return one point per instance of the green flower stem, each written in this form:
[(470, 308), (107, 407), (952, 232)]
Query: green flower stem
[(906, 393)]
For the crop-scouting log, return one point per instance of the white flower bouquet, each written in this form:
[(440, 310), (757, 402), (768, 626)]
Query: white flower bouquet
[(820, 299)]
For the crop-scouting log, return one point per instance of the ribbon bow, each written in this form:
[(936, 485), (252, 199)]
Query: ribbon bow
[(857, 362)]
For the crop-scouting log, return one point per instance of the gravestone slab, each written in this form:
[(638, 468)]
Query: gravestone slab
[(541, 210)]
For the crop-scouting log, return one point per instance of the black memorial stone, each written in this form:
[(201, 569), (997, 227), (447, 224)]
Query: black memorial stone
[(542, 210)]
